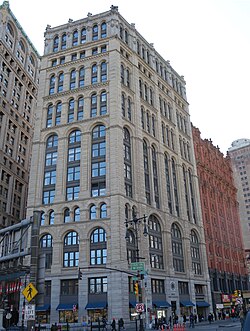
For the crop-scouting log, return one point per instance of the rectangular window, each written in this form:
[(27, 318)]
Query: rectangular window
[(98, 285), (69, 287), (72, 193)]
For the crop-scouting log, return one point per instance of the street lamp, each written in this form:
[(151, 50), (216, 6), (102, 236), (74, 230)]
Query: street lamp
[(135, 223)]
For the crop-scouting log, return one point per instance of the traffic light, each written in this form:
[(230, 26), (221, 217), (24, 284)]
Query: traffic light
[(236, 293), (136, 288), (79, 274)]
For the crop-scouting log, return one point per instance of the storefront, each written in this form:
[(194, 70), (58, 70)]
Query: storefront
[(160, 309), (67, 312), (43, 314), (97, 310), (202, 309), (186, 307)]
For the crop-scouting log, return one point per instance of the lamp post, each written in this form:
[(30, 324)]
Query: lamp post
[(135, 223)]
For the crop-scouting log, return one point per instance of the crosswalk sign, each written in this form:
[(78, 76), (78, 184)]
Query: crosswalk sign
[(29, 292)]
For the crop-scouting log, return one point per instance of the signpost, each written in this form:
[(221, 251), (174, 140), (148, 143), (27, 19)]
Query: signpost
[(29, 292), (139, 307), (138, 266), (30, 312)]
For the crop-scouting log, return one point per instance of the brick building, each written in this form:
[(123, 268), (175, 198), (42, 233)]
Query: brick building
[(220, 210)]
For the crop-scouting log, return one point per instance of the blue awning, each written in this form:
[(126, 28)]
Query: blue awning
[(43, 308), (161, 304), (65, 306), (96, 305), (187, 303), (202, 304)]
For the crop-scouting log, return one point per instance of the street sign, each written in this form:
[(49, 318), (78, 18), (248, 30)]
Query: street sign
[(137, 266), (29, 292), (30, 312), (139, 307), (135, 278)]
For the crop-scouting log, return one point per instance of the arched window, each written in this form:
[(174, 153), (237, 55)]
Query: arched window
[(55, 44), (63, 41), (146, 172), (185, 180), (52, 85), (21, 46), (42, 219), (175, 188), (122, 74), (58, 113), (93, 112), (66, 215), (177, 250), (192, 195), (60, 82), (10, 29), (72, 84), (131, 246), (98, 161), (92, 212), (129, 109), (75, 38), (195, 254), (95, 32), (71, 109), (73, 167), (46, 248), (103, 72), (81, 77), (46, 241), (83, 35), (52, 141), (80, 108), (98, 247), (77, 214), (103, 210), (94, 74), (128, 78), (51, 217), (127, 163), (49, 116), (123, 105), (71, 250), (155, 178), (103, 103), (103, 30), (155, 243)]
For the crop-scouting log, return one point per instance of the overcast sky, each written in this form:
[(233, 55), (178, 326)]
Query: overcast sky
[(206, 41)]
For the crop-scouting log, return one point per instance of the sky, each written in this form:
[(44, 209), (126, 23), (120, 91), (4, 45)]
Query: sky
[(206, 41)]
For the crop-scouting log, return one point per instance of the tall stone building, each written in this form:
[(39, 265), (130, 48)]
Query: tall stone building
[(239, 154), (19, 62), (113, 158), (225, 252)]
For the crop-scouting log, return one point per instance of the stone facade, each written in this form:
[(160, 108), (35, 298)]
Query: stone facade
[(240, 161), (19, 63), (128, 152)]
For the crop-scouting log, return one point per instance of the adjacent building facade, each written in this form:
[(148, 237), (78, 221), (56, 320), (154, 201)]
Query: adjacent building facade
[(223, 233), (239, 154), (112, 143), (19, 63)]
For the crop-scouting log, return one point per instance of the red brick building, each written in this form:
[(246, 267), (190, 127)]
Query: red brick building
[(221, 221)]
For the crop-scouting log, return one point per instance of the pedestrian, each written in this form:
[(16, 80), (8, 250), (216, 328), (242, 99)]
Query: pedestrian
[(113, 325), (184, 319), (120, 324), (191, 320), (210, 318)]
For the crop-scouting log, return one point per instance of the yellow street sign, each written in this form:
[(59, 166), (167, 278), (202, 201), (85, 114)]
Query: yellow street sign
[(30, 292)]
